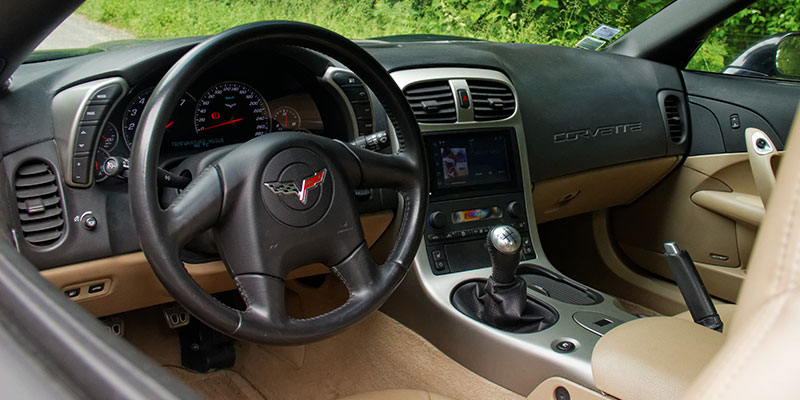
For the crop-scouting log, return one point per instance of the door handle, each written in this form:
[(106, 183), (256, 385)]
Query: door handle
[(760, 151)]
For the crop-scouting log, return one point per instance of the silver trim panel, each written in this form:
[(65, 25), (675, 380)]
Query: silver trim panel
[(68, 106), (328, 78)]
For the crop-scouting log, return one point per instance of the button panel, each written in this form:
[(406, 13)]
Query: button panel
[(358, 96), (445, 233), (85, 135)]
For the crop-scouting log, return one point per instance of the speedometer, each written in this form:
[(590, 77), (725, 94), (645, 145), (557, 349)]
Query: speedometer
[(231, 112)]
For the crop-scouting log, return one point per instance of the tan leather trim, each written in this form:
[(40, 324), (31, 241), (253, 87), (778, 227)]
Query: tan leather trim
[(652, 358), (597, 189), (740, 207), (761, 164), (129, 282), (397, 394), (711, 207), (546, 391)]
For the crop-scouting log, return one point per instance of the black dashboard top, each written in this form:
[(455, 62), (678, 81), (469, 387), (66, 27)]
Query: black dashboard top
[(580, 110)]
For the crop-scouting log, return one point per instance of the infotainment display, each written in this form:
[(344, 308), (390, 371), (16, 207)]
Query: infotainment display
[(466, 161)]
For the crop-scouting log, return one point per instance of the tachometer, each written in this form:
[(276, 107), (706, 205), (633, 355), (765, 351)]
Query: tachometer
[(178, 123), (231, 112)]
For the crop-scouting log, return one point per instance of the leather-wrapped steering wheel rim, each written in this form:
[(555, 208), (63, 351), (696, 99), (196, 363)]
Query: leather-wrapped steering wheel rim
[(253, 232)]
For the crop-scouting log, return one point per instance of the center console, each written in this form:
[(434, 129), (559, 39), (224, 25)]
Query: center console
[(475, 184), (479, 179)]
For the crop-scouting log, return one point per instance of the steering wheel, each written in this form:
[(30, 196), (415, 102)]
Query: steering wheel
[(279, 201)]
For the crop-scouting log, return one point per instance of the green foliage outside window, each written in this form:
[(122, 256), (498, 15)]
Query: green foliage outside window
[(737, 33), (555, 22)]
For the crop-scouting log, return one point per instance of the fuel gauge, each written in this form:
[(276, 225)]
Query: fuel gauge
[(286, 119)]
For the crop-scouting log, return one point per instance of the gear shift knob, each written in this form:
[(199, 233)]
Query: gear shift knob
[(504, 243)]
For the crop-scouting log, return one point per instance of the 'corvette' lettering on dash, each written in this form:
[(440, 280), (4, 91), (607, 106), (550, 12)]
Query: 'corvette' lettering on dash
[(571, 136)]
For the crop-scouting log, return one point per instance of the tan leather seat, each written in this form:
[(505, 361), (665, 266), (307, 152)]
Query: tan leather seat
[(397, 394)]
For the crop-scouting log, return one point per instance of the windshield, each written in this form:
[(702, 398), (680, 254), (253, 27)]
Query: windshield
[(555, 22)]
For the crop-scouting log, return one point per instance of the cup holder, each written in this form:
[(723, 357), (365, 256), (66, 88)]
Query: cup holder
[(557, 287)]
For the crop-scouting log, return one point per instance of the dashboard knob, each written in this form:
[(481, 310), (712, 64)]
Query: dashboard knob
[(437, 220), (515, 209)]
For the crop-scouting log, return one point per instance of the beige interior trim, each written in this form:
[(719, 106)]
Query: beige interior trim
[(710, 206), (655, 358), (598, 189), (740, 207), (761, 164), (129, 282), (396, 394), (546, 391), (656, 294)]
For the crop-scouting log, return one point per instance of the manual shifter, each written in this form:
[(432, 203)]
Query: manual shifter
[(503, 243), (502, 300)]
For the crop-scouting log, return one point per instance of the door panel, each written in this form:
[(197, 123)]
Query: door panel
[(710, 205), (719, 245)]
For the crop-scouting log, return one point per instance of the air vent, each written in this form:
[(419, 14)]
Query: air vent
[(491, 100), (432, 102), (39, 203), (672, 112)]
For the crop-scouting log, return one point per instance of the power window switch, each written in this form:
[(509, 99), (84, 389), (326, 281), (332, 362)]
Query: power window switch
[(71, 293), (438, 255), (96, 288)]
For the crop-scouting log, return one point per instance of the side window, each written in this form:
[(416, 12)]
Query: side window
[(762, 40)]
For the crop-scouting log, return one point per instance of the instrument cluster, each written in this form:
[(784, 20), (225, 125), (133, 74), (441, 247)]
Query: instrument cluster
[(218, 111)]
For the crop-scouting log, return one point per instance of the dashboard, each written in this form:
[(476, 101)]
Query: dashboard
[(264, 91)]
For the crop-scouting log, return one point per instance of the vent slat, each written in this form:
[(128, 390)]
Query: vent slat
[(47, 202), (39, 203), (35, 180), (43, 238), (37, 191), (48, 213), (44, 225), (672, 111), (33, 169), (439, 104), (491, 101)]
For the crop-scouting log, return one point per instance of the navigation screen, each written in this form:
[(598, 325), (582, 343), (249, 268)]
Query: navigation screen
[(469, 160)]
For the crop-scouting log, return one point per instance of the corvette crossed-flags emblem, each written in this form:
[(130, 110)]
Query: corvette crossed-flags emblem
[(283, 188)]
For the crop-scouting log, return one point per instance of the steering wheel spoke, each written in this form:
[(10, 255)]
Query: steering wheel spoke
[(264, 297), (196, 209), (358, 271), (389, 171)]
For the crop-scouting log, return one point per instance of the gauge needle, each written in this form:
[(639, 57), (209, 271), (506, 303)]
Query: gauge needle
[(169, 124), (222, 124)]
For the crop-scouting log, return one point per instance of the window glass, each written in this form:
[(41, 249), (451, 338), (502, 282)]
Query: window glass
[(751, 39)]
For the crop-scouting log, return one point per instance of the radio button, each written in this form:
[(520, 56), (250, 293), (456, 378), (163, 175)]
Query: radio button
[(515, 209), (437, 220), (434, 237)]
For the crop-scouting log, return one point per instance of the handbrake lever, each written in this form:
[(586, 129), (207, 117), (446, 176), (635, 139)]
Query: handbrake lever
[(692, 288)]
